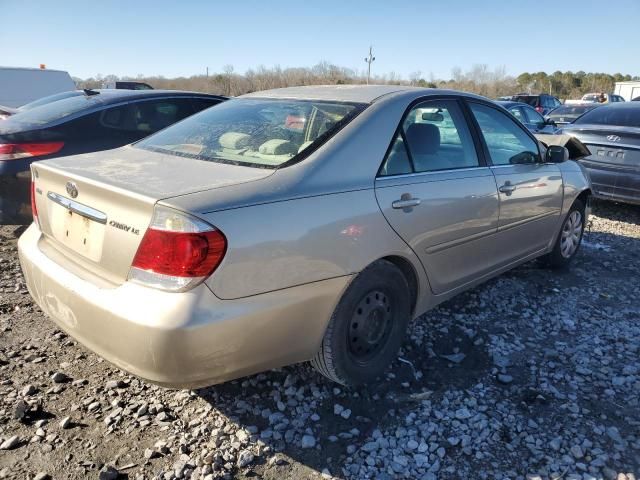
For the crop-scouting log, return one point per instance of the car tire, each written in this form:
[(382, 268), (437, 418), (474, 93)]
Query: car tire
[(569, 239), (367, 327)]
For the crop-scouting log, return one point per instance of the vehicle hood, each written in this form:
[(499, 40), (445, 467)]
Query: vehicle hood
[(577, 149), (152, 174)]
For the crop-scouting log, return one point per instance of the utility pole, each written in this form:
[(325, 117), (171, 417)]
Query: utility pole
[(207, 72), (370, 59)]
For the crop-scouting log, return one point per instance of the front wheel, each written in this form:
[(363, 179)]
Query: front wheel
[(570, 238), (367, 327)]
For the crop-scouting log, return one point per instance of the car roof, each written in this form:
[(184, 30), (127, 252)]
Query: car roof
[(339, 93), (113, 95)]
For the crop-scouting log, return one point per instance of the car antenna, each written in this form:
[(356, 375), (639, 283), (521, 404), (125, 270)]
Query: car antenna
[(89, 93)]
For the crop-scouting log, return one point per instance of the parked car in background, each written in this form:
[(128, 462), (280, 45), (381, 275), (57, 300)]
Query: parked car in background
[(612, 134), (238, 240), (542, 103), (40, 101), (19, 86), (565, 114), (529, 117), (128, 85), (601, 98), (96, 120)]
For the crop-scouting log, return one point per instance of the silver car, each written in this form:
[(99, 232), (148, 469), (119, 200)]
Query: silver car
[(292, 225)]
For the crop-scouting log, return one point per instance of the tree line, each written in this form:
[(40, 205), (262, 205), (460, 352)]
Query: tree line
[(478, 79)]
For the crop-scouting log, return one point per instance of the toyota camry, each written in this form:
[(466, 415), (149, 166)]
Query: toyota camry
[(292, 225)]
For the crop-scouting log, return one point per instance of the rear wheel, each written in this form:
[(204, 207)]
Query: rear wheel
[(570, 238), (367, 327)]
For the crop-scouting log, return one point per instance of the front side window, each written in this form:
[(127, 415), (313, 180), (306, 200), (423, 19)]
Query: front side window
[(254, 132), (508, 144), (434, 136)]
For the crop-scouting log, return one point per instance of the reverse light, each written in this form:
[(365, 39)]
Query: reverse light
[(16, 151), (178, 251)]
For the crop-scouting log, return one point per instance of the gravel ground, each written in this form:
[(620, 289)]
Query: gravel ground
[(534, 375)]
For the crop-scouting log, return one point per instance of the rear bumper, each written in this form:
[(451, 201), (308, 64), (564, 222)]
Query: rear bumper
[(188, 339), (614, 183)]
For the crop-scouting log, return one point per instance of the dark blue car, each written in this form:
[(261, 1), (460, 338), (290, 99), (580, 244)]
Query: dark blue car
[(96, 120)]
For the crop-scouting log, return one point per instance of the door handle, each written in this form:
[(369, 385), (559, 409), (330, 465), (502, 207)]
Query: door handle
[(507, 188), (406, 202)]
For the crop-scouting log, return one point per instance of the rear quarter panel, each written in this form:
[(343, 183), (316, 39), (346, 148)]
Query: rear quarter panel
[(282, 244)]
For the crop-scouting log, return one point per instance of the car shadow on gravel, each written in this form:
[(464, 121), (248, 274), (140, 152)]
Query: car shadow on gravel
[(415, 376)]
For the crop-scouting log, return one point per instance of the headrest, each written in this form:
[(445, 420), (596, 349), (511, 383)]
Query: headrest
[(234, 140), (277, 146), (423, 138)]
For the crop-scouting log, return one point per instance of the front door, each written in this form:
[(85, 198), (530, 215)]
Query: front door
[(530, 191), (439, 197)]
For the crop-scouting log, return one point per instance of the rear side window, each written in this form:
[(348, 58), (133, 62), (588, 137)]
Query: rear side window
[(508, 144), (533, 116), (203, 103), (517, 112), (434, 136), (146, 117), (625, 115)]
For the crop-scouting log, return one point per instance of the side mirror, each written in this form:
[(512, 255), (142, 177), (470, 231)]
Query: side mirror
[(548, 121), (556, 154)]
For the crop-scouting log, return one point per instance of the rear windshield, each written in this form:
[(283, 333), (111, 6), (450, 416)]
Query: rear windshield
[(50, 98), (533, 101), (254, 132), (51, 112), (569, 110), (612, 115)]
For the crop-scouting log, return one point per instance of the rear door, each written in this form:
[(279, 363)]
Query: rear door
[(439, 196), (530, 191)]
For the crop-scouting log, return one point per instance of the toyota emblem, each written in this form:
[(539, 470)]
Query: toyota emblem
[(72, 189), (614, 138)]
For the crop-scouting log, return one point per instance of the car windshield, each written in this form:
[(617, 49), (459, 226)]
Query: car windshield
[(254, 132), (50, 98), (51, 112), (623, 116), (531, 100)]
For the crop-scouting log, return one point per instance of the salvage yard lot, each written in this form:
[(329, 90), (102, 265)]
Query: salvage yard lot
[(533, 373)]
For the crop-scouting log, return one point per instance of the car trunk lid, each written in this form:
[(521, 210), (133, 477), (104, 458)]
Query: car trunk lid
[(94, 209), (612, 145)]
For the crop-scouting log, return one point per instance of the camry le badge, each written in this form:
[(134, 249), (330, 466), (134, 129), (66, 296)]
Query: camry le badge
[(72, 189), (614, 138)]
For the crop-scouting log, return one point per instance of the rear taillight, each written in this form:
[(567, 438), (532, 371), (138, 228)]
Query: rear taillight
[(177, 252), (34, 207), (539, 109), (16, 151)]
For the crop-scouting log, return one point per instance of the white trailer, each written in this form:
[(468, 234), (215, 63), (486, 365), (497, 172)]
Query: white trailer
[(23, 85), (628, 90)]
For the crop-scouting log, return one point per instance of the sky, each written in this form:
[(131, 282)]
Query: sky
[(183, 38)]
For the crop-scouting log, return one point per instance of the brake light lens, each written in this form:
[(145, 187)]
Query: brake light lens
[(539, 109), (34, 207), (177, 252), (16, 151)]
